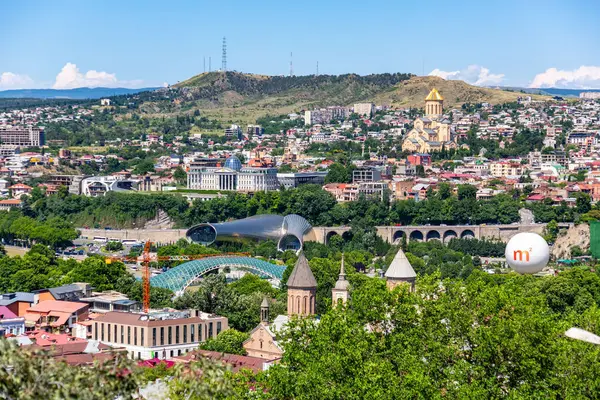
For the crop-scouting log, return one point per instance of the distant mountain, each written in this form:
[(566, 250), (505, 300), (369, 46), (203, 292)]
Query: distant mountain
[(78, 93), (245, 97), (552, 91)]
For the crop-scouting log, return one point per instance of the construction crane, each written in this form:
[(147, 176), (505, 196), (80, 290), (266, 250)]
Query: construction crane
[(147, 257)]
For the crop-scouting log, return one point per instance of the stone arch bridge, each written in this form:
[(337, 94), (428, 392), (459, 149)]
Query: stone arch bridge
[(443, 233)]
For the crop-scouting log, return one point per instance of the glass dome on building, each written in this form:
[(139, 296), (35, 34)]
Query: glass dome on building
[(233, 163)]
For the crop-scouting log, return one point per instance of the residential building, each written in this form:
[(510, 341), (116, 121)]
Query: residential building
[(419, 159), (19, 190), (18, 303), (19, 136), (506, 168), (8, 204), (234, 131), (254, 130), (55, 315), (163, 335), (366, 109), (111, 300), (10, 323), (366, 174), (71, 292), (325, 115)]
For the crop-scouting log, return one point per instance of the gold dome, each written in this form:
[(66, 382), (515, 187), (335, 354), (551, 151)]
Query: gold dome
[(434, 95)]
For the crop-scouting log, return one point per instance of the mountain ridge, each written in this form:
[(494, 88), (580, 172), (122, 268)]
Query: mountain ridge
[(82, 93), (243, 97)]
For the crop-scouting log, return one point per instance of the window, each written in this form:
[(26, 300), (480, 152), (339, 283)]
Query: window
[(177, 334), (153, 336), (128, 335), (218, 327), (192, 333), (115, 335), (108, 332), (95, 331), (171, 336), (142, 337), (210, 329), (102, 333), (122, 334), (162, 336), (185, 334), (135, 336), (261, 343)]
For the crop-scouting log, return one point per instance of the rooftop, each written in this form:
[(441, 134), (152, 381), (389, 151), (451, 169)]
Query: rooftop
[(434, 95), (302, 276), (400, 268)]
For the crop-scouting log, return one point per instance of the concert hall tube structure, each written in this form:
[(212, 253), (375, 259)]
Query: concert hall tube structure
[(287, 231)]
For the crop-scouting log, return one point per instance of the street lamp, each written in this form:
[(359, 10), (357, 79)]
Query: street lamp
[(583, 335)]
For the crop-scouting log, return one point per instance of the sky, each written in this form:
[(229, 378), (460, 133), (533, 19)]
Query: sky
[(528, 43)]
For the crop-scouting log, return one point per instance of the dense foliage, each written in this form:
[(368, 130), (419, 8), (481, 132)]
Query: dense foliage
[(484, 337)]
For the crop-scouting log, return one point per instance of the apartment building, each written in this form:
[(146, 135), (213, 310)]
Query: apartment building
[(504, 168), (161, 335), (19, 136), (367, 109)]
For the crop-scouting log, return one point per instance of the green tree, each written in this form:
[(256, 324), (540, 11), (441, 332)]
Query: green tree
[(229, 341), (144, 167), (180, 176), (114, 246)]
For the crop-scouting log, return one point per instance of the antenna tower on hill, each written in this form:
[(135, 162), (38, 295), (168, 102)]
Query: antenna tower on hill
[(224, 57), (291, 65)]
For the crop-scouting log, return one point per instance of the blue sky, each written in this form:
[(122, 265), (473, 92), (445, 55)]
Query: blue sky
[(133, 43)]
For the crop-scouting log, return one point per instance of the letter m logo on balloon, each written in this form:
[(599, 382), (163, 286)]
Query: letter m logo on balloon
[(518, 255)]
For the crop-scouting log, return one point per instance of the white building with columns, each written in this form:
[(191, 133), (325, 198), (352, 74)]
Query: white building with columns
[(232, 177)]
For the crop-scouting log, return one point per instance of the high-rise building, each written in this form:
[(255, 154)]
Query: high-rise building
[(18, 136), (366, 109), (325, 115)]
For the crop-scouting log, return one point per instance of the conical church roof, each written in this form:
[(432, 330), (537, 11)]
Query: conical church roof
[(400, 268), (434, 95), (301, 276)]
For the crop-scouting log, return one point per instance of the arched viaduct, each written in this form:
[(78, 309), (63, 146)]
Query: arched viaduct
[(394, 234)]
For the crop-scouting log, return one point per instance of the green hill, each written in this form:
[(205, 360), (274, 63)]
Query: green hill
[(245, 97)]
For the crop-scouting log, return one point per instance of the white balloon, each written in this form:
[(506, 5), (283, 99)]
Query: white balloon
[(527, 253)]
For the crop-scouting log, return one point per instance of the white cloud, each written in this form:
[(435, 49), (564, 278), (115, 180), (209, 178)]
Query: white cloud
[(473, 74), (70, 77), (9, 80), (584, 77)]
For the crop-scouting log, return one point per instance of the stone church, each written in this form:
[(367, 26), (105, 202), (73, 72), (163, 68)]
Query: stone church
[(431, 132)]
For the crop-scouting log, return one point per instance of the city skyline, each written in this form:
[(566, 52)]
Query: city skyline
[(149, 44)]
